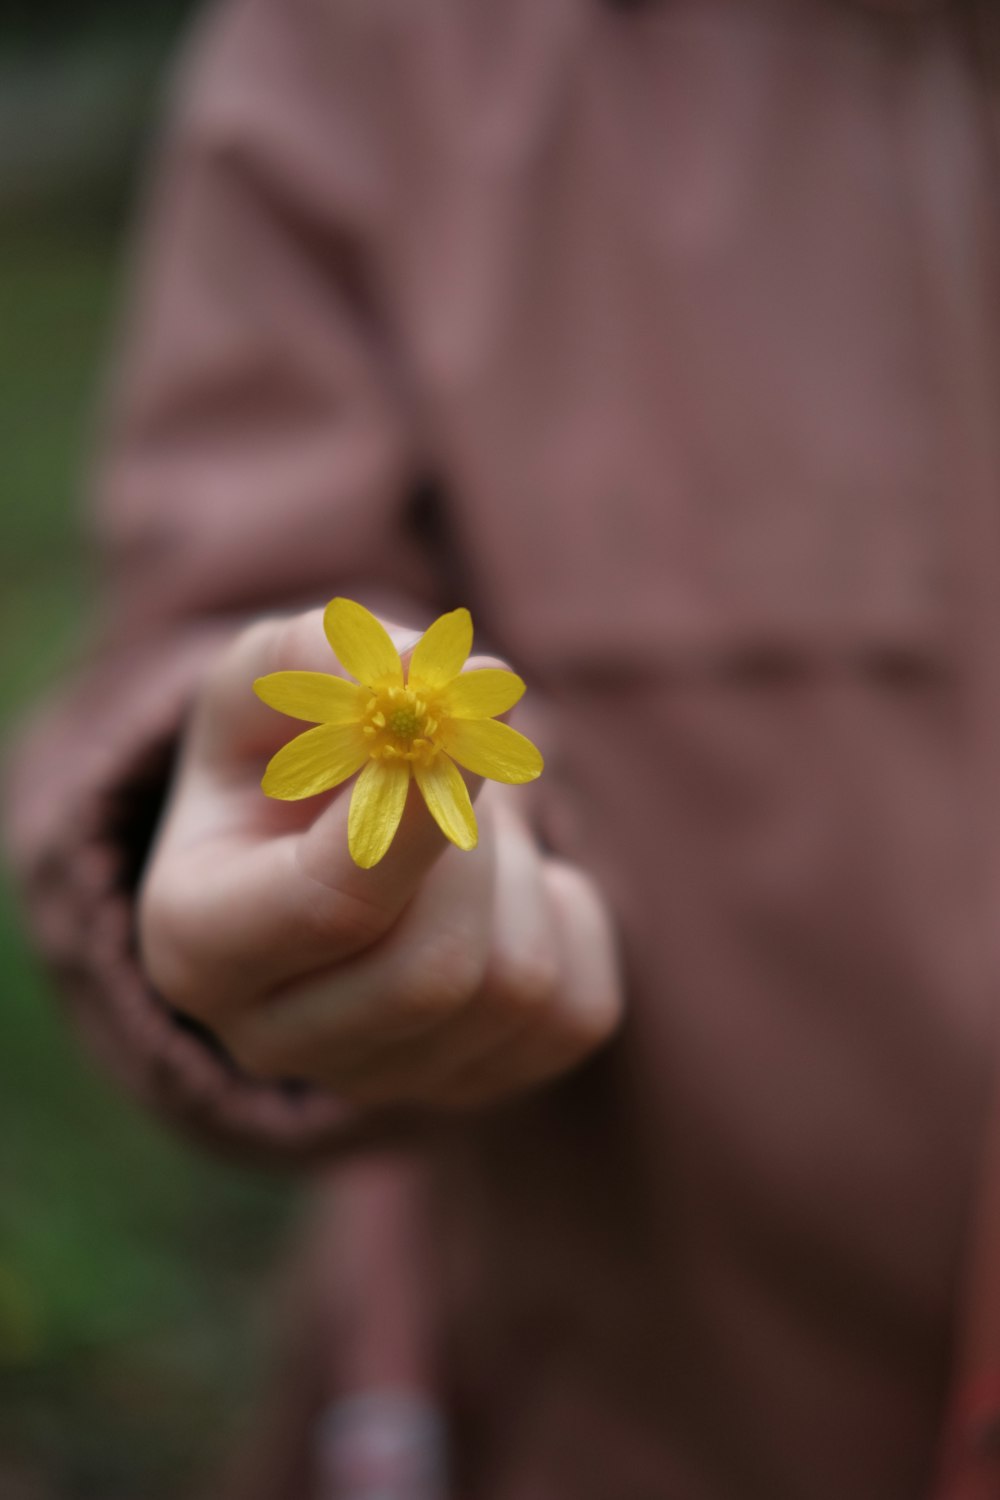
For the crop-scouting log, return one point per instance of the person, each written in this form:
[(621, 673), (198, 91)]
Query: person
[(662, 336)]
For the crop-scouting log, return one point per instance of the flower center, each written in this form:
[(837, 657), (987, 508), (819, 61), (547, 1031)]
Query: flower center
[(404, 723), (399, 726)]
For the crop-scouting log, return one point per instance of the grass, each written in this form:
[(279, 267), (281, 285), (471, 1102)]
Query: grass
[(128, 1263)]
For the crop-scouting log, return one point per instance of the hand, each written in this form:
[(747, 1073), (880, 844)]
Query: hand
[(439, 978)]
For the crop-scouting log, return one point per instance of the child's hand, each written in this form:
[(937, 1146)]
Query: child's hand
[(439, 977)]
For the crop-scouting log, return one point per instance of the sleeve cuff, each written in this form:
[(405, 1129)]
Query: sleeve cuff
[(83, 792)]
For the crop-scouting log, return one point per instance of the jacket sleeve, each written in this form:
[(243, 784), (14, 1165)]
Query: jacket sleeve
[(258, 457)]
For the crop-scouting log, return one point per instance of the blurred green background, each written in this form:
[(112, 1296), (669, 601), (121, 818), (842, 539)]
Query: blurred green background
[(133, 1273)]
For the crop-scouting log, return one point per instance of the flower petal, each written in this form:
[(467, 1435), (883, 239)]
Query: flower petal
[(448, 800), (442, 651), (362, 644), (377, 804), (316, 696), (315, 761), (481, 694), (490, 748)]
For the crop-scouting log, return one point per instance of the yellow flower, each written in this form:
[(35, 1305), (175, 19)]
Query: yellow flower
[(396, 729)]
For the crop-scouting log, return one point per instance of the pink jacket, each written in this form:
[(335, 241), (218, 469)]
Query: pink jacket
[(667, 338)]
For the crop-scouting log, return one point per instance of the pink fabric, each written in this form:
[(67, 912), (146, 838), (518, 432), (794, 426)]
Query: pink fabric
[(665, 338)]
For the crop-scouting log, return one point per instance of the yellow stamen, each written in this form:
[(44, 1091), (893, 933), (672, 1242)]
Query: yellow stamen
[(404, 722), (399, 726)]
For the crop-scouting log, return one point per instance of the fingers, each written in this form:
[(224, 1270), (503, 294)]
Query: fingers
[(224, 925), (577, 1017), (502, 996), (457, 1009), (423, 972)]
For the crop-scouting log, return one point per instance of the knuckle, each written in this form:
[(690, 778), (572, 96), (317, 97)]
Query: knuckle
[(294, 637), (166, 950), (178, 946), (249, 644), (595, 1022), (525, 983), (438, 981), (253, 651), (337, 915), (421, 998), (250, 640)]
